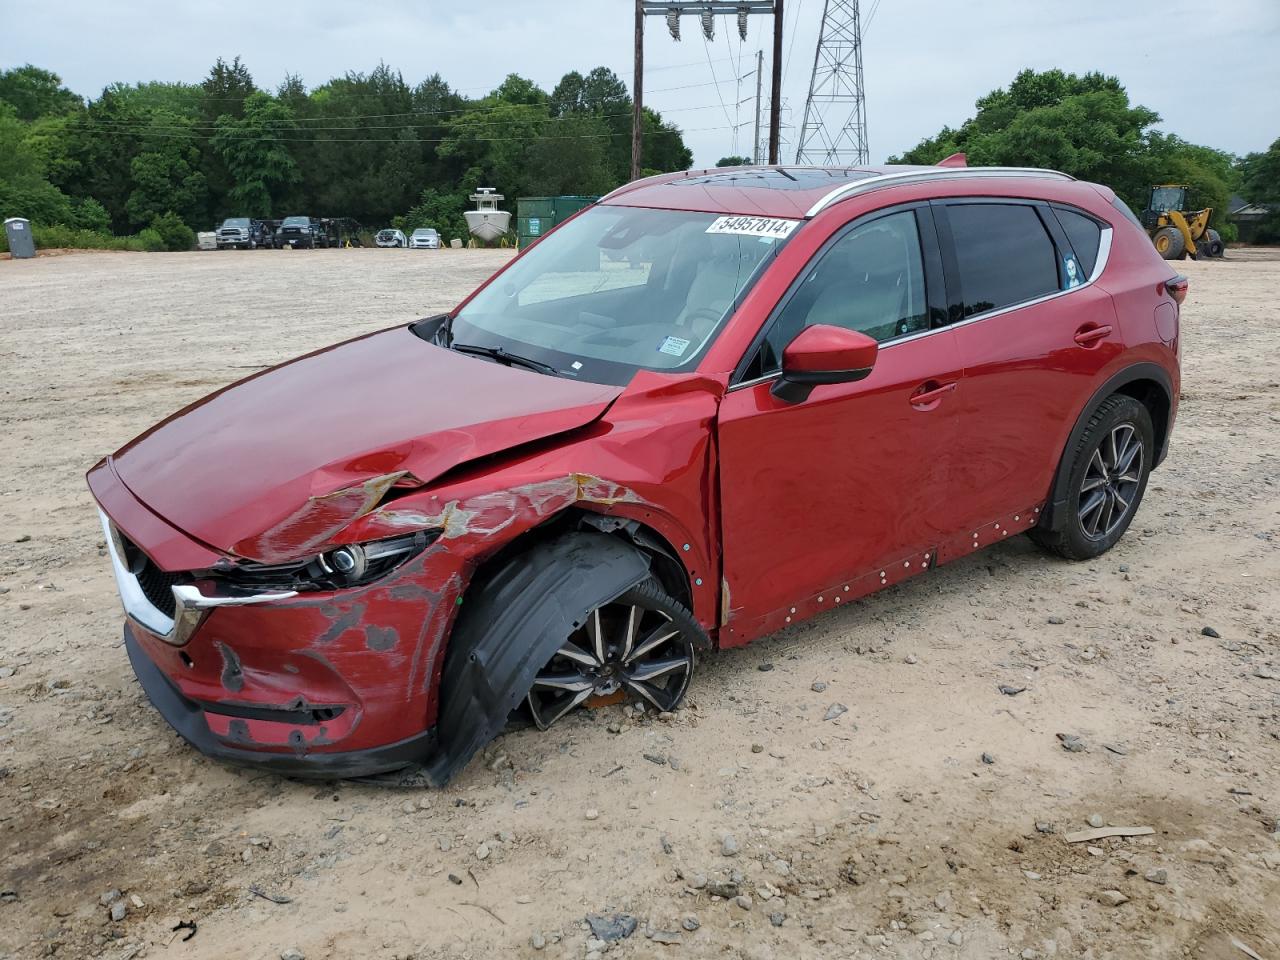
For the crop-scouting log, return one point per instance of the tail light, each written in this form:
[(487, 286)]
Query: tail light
[(1177, 288)]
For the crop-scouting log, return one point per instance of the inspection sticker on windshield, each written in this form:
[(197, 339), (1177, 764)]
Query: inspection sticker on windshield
[(773, 228), (674, 346)]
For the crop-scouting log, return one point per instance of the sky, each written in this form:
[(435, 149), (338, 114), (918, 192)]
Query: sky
[(1209, 67)]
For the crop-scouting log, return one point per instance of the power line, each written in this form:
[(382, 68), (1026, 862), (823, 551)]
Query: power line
[(669, 131), (205, 126)]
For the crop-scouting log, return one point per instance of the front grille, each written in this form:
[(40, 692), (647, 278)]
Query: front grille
[(155, 583)]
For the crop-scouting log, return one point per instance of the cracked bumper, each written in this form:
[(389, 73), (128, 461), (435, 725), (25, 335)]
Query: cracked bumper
[(192, 721)]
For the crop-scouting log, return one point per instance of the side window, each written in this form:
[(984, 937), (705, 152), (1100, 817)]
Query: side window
[(1084, 234), (870, 280), (1004, 255)]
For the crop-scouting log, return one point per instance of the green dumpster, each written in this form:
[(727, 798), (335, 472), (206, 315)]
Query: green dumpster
[(536, 215)]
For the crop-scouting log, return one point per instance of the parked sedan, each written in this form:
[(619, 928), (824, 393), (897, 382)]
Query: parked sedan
[(425, 238), (708, 407), (390, 238)]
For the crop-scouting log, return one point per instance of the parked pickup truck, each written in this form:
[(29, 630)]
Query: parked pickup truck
[(243, 233), (305, 232)]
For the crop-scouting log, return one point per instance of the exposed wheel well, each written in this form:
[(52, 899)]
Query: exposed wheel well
[(664, 561), (1152, 396)]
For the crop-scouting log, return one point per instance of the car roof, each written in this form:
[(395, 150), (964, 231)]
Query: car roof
[(790, 191)]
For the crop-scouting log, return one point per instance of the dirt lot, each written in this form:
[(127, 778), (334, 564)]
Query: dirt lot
[(883, 832)]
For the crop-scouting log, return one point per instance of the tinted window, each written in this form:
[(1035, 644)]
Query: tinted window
[(1129, 215), (1084, 234), (870, 280), (1004, 255)]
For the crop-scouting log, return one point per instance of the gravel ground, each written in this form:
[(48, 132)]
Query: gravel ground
[(747, 825)]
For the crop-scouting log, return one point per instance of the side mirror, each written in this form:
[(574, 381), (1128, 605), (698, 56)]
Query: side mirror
[(823, 354)]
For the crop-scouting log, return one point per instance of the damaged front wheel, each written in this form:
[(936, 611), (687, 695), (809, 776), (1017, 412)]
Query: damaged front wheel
[(638, 645)]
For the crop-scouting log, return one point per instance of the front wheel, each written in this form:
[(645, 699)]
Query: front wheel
[(1170, 243), (1109, 469), (638, 646)]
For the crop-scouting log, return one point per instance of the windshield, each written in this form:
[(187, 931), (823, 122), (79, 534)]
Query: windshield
[(1164, 199), (296, 221), (236, 222), (386, 233), (421, 232), (619, 289)]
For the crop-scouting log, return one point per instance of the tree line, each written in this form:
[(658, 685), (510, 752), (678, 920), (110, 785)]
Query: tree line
[(1086, 126), (369, 146), (149, 162)]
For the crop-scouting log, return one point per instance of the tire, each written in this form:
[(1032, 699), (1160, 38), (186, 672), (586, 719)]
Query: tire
[(1092, 527), (1216, 248), (1169, 243)]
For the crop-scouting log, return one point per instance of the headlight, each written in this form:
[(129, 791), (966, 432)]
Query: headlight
[(351, 565)]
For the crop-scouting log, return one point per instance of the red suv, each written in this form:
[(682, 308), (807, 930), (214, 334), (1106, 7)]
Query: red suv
[(712, 404)]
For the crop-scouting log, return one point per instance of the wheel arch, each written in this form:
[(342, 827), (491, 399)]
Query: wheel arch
[(516, 613), (1150, 385)]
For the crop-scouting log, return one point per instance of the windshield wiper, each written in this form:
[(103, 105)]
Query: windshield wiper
[(504, 356)]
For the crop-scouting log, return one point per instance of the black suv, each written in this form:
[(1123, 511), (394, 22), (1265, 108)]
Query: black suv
[(307, 232), (244, 233)]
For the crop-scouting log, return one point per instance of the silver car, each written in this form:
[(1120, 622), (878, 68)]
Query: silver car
[(390, 238), (425, 238)]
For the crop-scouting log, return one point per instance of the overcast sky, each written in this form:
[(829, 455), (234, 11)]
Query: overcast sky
[(1210, 68)]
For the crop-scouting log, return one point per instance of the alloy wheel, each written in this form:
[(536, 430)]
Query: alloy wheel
[(623, 647), (1111, 482)]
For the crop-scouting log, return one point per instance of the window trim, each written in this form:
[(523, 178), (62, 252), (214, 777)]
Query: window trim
[(930, 262), (950, 275)]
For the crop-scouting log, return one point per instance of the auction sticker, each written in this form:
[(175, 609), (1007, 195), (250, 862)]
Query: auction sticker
[(770, 227)]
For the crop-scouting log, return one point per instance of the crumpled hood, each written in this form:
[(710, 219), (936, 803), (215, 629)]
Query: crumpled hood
[(271, 467)]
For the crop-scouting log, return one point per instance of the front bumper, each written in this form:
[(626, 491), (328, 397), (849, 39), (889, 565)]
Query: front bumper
[(189, 719)]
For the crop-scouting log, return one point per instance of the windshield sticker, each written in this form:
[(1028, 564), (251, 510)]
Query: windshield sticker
[(772, 228), (674, 346)]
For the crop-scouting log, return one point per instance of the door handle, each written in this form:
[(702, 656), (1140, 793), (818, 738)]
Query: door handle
[(1087, 336), (930, 394)]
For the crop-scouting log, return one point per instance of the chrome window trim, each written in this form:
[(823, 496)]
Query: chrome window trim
[(928, 175), (1104, 254), (189, 603)]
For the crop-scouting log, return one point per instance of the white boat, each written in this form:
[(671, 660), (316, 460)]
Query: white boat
[(487, 222)]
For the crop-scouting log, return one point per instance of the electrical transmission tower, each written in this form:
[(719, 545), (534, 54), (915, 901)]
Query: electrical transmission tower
[(834, 132)]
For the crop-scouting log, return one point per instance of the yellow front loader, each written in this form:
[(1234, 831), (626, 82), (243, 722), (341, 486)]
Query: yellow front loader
[(1176, 232)]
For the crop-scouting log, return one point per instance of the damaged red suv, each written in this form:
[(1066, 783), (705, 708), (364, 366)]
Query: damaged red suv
[(710, 405)]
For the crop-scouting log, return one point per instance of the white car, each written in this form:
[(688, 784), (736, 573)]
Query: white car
[(425, 238), (391, 238)]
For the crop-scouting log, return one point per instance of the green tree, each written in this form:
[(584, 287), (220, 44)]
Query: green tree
[(256, 155), (733, 161), (35, 93), (1259, 177)]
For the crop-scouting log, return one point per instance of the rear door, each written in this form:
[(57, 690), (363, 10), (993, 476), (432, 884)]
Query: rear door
[(1034, 336)]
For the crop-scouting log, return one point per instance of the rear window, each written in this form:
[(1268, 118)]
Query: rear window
[(1127, 213), (1004, 254), (1084, 234)]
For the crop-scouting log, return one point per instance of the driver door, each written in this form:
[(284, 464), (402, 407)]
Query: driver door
[(828, 499)]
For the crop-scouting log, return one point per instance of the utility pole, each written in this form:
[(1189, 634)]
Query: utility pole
[(707, 10), (775, 94), (755, 141), (637, 96)]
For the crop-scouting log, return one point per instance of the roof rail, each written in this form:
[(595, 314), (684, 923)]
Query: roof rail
[(925, 174)]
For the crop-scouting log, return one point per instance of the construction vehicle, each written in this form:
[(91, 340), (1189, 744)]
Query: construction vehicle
[(1176, 231)]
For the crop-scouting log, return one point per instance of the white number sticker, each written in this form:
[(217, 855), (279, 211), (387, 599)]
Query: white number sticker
[(773, 228)]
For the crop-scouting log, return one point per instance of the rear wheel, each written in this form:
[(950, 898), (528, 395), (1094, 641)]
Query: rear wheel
[(1109, 469), (639, 646), (1169, 243)]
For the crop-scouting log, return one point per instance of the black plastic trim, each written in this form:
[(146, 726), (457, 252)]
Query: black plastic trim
[(1055, 515), (510, 626)]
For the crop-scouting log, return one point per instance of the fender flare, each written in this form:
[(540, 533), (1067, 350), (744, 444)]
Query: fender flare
[(1058, 497), (511, 625)]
